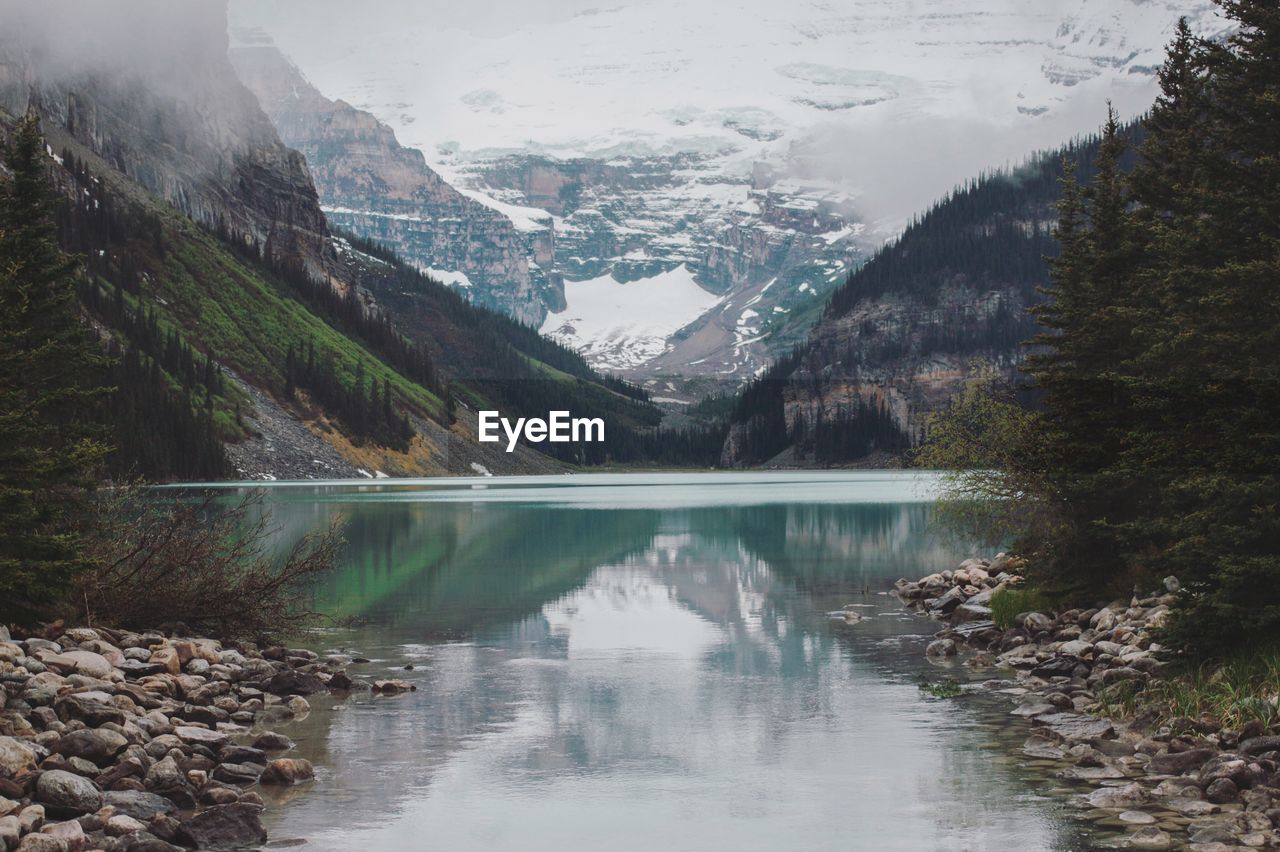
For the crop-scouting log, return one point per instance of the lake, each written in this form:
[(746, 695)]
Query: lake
[(647, 661)]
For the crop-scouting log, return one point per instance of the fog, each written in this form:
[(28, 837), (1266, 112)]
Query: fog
[(894, 100), (158, 40)]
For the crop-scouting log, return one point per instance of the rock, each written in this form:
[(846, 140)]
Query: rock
[(969, 612), (1077, 726), (1171, 584), (271, 741), (1226, 766), (340, 682), (287, 771), (1117, 797), (71, 833), (66, 794), (1103, 619), (1036, 622), (31, 818), (237, 773), (1179, 762), (1056, 667), (1216, 833), (1193, 807), (42, 843), (396, 686), (89, 663), (242, 754), (1075, 648), (1221, 791), (947, 602), (1259, 745), (1039, 747), (10, 832), (1137, 817), (168, 658), (91, 710), (201, 736), (1150, 838), (936, 648), (122, 824), (16, 758), (223, 826), (96, 744), (1032, 708), (1091, 773), (146, 842), (293, 682), (137, 804)]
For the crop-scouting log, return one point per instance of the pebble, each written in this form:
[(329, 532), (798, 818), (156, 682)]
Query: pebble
[(119, 740)]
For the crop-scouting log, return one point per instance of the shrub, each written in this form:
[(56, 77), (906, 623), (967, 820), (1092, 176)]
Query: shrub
[(208, 566), (1007, 603)]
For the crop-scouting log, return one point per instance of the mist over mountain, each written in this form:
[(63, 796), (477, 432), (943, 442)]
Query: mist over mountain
[(756, 150)]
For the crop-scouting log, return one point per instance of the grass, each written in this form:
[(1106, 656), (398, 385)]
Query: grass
[(1008, 603), (948, 688), (1227, 693)]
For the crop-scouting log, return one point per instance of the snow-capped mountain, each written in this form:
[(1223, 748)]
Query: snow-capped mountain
[(727, 159)]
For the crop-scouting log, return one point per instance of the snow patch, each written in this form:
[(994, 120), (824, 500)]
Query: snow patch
[(618, 325)]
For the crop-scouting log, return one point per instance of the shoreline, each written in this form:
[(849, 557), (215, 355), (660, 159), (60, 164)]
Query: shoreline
[(1188, 783), (141, 742)]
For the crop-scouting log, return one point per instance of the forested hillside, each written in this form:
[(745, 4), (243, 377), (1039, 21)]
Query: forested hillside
[(899, 337), (244, 338)]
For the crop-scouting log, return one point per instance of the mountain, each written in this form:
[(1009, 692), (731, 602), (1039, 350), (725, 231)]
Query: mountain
[(729, 161), (371, 185), (900, 337), (237, 315)]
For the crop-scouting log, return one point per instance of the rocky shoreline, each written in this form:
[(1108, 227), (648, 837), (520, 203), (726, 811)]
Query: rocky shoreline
[(146, 742), (1186, 783)]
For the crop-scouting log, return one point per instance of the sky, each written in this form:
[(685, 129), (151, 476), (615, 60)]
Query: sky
[(894, 100)]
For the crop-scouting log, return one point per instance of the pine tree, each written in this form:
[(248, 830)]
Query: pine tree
[(50, 371), (1079, 368), (1222, 516)]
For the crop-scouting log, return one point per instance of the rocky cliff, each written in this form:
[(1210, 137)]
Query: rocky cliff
[(166, 111), (374, 187)]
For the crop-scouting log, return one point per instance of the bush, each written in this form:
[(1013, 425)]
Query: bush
[(1007, 603), (157, 561)]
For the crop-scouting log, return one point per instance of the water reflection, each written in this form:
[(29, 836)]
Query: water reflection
[(644, 677)]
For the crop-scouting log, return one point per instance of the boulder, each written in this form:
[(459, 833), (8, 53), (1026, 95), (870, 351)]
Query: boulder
[(947, 602), (965, 613), (286, 770), (16, 757), (201, 736), (293, 682), (271, 741), (1117, 797), (10, 832), (1220, 791), (93, 711), (70, 833), (122, 824), (1176, 763), (1151, 838), (137, 804), (96, 744), (225, 826), (66, 794), (89, 663), (1036, 622), (936, 648), (1259, 745), (43, 843)]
